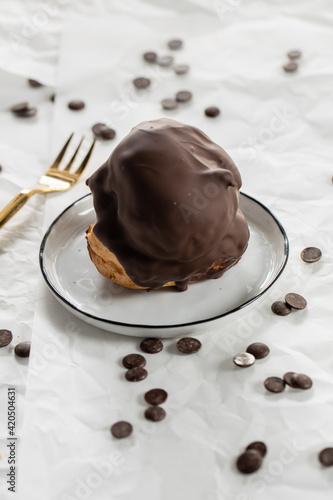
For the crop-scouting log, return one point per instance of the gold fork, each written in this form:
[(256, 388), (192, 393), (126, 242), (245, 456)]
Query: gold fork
[(53, 180)]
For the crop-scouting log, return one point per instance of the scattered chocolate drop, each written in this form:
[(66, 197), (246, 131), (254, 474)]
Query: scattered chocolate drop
[(258, 350), (6, 337), (21, 106), (175, 44), (52, 97), (27, 113), (274, 384), (311, 254), (156, 396), (34, 83), (301, 381), (169, 104), (165, 61), (258, 446), (183, 96), (294, 54), (188, 345), (76, 105), (290, 67), (181, 69), (325, 457), (249, 461), (151, 345), (136, 374), (280, 308), (134, 361), (22, 350), (121, 429), (141, 83), (244, 359), (155, 413), (287, 377), (295, 301), (150, 57), (212, 111), (102, 131)]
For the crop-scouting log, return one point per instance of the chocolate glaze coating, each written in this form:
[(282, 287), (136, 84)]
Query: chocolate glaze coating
[(166, 202)]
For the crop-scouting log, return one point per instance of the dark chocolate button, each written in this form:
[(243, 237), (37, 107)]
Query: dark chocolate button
[(134, 361), (294, 54), (0, 168), (76, 104), (98, 128), (188, 345), (108, 134), (175, 44), (301, 381), (258, 350), (249, 461), (165, 61), (155, 413), (183, 96), (136, 374), (181, 69), (169, 104), (290, 67), (258, 446), (311, 254), (21, 106), (151, 345), (156, 396), (121, 429), (326, 457), (212, 111), (6, 337), (244, 359), (295, 301), (280, 308), (150, 57), (26, 113), (287, 378), (102, 131), (22, 350), (52, 98), (34, 83), (274, 384), (141, 82)]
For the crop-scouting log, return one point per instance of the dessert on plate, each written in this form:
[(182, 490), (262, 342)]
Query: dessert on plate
[(166, 203)]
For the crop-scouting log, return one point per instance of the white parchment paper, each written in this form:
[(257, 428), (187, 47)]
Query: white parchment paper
[(277, 127)]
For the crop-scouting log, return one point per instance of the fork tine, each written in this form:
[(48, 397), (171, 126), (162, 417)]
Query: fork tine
[(60, 156), (71, 161), (85, 159)]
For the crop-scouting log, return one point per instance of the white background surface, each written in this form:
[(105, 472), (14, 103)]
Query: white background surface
[(74, 388)]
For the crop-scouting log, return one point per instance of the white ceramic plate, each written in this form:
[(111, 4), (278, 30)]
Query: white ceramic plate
[(205, 306)]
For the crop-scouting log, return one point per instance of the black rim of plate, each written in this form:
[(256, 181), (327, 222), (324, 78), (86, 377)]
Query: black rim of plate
[(160, 327)]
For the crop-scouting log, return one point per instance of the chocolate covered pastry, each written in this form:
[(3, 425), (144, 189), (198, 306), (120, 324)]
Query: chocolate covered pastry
[(167, 211)]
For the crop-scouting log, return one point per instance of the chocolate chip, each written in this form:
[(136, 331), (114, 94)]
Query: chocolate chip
[(249, 461), (52, 97), (295, 301), (244, 359), (280, 308), (290, 67), (212, 111), (181, 69), (34, 83), (151, 345), (258, 350), (141, 82), (6, 337), (326, 457), (287, 378), (169, 104), (274, 384), (183, 96), (188, 345), (258, 446), (301, 381), (121, 429), (165, 61), (155, 413), (136, 374), (150, 57), (311, 254), (294, 54), (19, 107), (0, 168), (102, 131), (76, 105), (22, 350), (175, 44), (26, 113), (156, 396), (134, 361)]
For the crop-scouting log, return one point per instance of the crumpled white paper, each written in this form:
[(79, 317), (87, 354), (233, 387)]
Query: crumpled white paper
[(277, 129)]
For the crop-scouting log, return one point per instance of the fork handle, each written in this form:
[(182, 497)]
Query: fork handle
[(15, 205)]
